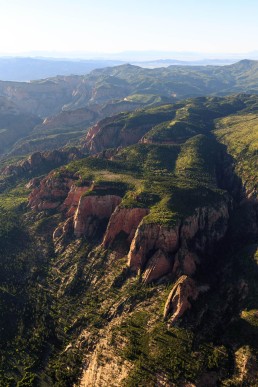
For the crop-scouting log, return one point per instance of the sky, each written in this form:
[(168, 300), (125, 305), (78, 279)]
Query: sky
[(110, 26)]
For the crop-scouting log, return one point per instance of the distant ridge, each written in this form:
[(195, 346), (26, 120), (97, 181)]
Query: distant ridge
[(26, 69), (29, 68)]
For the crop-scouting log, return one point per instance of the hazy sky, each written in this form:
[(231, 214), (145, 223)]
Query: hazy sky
[(119, 25)]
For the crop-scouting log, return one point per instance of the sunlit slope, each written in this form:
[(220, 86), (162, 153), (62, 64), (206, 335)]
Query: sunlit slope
[(240, 135)]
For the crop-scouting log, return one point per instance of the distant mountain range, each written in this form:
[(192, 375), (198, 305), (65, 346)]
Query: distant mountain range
[(29, 68), (26, 69)]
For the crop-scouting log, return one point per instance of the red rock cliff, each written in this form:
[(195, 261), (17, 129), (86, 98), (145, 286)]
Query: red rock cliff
[(72, 200), (150, 238), (123, 220), (157, 250), (90, 210)]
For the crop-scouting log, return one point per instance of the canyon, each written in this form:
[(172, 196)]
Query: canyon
[(129, 255)]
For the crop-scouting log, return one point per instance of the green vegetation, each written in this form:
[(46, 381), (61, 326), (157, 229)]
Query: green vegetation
[(240, 135), (58, 305), (158, 350)]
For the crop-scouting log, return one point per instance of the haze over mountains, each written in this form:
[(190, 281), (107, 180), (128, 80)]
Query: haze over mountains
[(33, 68)]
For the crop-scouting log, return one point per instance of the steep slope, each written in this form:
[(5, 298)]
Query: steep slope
[(137, 265), (63, 129), (170, 124), (14, 123), (240, 135)]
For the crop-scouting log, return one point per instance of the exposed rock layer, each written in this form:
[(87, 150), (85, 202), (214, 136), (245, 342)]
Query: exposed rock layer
[(91, 210), (123, 220), (150, 238), (199, 232)]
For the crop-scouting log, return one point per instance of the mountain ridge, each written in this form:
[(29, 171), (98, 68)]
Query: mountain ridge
[(105, 92)]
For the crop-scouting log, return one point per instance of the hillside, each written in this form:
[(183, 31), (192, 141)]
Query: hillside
[(70, 105), (133, 262)]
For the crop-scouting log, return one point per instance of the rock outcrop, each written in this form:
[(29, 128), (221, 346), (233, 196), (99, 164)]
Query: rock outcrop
[(123, 220), (148, 239), (91, 211), (177, 247), (72, 200), (178, 301), (51, 192), (158, 265), (246, 367), (62, 233), (41, 161), (65, 192)]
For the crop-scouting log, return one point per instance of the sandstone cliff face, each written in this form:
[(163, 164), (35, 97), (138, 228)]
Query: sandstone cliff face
[(158, 265), (185, 262), (91, 210), (98, 373), (148, 239), (124, 220), (178, 301), (88, 213), (158, 250), (72, 200), (60, 235), (246, 367), (98, 139)]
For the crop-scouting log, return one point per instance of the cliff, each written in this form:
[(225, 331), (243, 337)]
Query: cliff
[(91, 211), (158, 250), (124, 221), (124, 129)]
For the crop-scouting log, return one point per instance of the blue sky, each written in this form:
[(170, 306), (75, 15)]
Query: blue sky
[(224, 26)]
